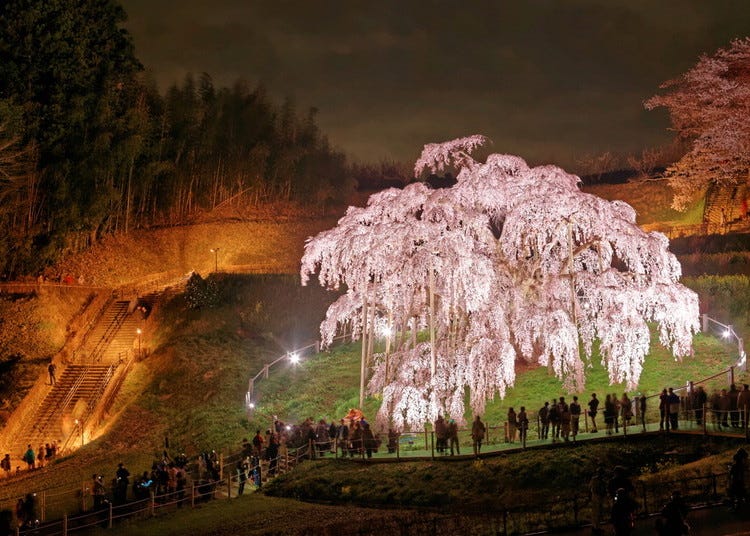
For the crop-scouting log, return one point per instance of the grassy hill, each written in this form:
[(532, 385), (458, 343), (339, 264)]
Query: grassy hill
[(190, 390)]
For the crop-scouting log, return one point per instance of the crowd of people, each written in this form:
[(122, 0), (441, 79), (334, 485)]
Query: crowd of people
[(33, 459)]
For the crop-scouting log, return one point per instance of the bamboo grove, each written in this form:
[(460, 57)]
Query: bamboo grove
[(90, 146)]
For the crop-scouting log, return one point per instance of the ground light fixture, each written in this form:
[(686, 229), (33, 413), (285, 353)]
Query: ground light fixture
[(294, 358)]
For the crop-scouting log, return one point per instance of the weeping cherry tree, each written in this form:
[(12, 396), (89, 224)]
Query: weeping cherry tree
[(510, 263)]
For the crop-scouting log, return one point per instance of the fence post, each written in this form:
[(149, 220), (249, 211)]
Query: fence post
[(229, 486), (192, 496), (43, 513), (713, 483), (64, 525), (703, 420), (432, 445), (704, 323), (425, 437), (152, 505), (645, 498), (398, 447), (731, 370), (109, 517)]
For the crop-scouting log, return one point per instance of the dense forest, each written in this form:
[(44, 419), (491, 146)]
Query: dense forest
[(89, 145)]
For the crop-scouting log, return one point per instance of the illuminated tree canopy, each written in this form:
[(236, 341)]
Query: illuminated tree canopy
[(510, 263), (709, 107)]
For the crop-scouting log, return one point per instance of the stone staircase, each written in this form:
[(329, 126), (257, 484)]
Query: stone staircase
[(724, 207), (75, 392), (80, 386), (113, 337)]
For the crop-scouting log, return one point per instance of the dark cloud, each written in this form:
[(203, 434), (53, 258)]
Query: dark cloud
[(549, 80)]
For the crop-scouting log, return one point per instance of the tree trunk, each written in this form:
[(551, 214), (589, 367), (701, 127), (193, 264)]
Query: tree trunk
[(362, 367)]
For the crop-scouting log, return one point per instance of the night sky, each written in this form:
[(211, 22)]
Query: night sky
[(550, 81)]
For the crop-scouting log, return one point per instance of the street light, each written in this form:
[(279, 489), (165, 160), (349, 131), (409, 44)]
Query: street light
[(80, 425), (138, 331), (215, 251)]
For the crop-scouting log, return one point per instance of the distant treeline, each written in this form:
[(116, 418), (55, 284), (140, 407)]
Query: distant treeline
[(90, 146)]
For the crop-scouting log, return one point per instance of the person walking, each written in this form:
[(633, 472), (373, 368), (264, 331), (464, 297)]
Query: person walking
[(477, 434)]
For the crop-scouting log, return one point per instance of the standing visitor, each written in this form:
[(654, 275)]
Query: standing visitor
[(97, 489), (29, 457), (51, 369), (441, 434), (623, 513), (242, 468), (734, 415), (258, 443), (701, 399), (368, 438), (593, 410), (512, 425), (477, 434), (544, 421), (674, 408), (626, 410), (737, 491), (554, 420), (453, 436), (664, 410), (342, 438), (564, 412), (122, 480), (523, 425), (272, 453), (672, 521), (616, 402), (743, 404), (5, 465), (575, 417), (610, 414)]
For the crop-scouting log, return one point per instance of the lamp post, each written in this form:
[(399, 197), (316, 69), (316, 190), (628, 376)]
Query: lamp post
[(139, 331), (215, 251), (80, 425)]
